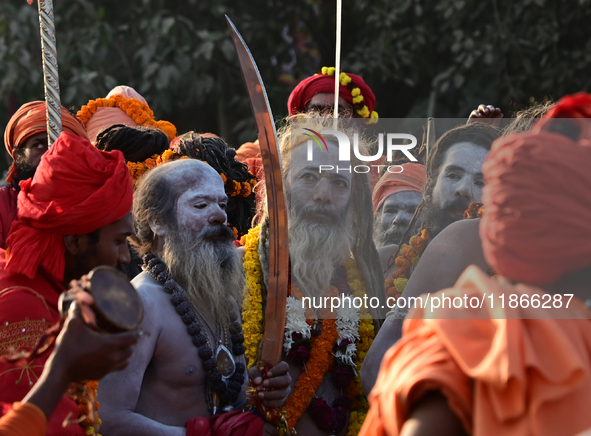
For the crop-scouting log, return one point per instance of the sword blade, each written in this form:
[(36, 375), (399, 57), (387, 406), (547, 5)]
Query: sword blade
[(278, 237)]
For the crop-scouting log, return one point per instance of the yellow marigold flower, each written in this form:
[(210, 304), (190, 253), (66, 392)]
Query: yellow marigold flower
[(374, 114), (355, 92), (331, 71), (345, 80), (400, 284), (357, 99), (364, 112), (324, 70)]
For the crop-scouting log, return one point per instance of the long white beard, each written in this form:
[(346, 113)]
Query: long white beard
[(210, 272), (316, 250)]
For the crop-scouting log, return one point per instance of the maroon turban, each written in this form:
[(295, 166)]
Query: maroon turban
[(30, 119), (76, 190), (308, 88), (537, 222)]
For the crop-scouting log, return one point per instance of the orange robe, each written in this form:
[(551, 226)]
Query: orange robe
[(519, 375), (24, 419)]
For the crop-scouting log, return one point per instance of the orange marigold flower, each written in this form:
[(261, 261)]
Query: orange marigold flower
[(408, 252), (401, 272), (418, 243), (425, 234), (246, 190), (402, 262)]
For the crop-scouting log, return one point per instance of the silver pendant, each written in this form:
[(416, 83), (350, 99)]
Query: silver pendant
[(225, 362)]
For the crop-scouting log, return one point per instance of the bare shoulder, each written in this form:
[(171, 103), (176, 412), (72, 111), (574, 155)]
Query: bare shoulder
[(153, 297), (148, 288), (446, 257), (463, 233)]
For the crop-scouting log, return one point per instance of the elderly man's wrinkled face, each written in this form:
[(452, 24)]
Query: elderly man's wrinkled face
[(323, 102), (203, 204), (319, 206), (395, 216), (322, 197), (199, 250)]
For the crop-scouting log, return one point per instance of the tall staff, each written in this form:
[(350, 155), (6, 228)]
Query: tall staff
[(50, 74), (337, 62)]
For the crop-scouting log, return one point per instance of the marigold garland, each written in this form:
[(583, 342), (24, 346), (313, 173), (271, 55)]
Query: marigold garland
[(321, 358), (360, 405), (252, 315), (475, 210), (360, 107), (242, 189), (84, 394), (135, 109), (321, 361), (409, 256), (138, 169)]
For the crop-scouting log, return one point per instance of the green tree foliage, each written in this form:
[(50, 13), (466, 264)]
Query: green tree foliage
[(436, 57)]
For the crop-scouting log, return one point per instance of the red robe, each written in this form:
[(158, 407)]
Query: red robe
[(7, 212), (27, 309)]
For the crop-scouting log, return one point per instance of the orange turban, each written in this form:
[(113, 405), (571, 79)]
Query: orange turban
[(76, 190), (30, 119), (412, 178), (123, 105), (537, 222), (308, 88), (248, 150)]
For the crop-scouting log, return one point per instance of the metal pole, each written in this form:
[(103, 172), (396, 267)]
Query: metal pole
[(337, 62), (50, 72)]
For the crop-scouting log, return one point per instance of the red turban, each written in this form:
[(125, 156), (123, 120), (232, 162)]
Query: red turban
[(31, 119), (572, 106), (308, 88), (76, 190), (412, 178), (537, 222)]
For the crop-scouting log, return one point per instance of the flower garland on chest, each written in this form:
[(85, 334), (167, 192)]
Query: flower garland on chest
[(409, 256), (338, 346)]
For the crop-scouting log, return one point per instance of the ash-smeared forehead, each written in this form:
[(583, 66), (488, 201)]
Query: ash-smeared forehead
[(187, 173)]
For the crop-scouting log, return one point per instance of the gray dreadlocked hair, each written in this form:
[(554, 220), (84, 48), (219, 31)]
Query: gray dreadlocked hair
[(363, 249)]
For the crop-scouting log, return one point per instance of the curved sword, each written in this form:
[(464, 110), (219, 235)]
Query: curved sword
[(278, 237)]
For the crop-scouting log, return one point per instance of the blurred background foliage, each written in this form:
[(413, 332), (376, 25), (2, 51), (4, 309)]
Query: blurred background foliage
[(421, 57)]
